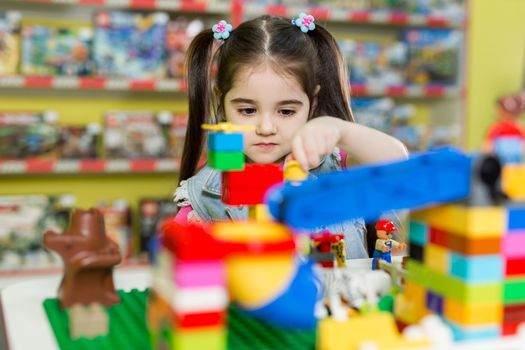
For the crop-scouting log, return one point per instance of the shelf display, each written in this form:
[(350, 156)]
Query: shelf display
[(9, 42)]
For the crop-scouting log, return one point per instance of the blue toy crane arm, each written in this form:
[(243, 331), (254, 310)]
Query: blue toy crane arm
[(367, 191)]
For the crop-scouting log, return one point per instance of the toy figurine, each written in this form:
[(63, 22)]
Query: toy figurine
[(385, 243), (506, 136)]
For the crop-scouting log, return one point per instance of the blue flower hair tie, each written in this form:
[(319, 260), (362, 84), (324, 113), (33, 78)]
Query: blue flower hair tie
[(221, 30), (304, 22)]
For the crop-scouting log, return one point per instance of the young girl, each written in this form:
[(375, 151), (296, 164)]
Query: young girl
[(288, 79)]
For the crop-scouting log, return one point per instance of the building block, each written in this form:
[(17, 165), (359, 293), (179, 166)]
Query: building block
[(434, 303), (513, 246), (416, 252), (226, 161), (467, 314), (259, 212), (512, 180), (225, 142), (432, 174), (199, 273), (437, 258), (418, 232), (409, 306), (249, 186), (198, 320), (514, 313), (516, 218), (209, 338), (474, 332), (475, 246), (355, 332), (451, 287), (199, 299), (192, 242), (515, 267), (513, 291), (477, 269), (88, 321), (510, 328), (439, 237)]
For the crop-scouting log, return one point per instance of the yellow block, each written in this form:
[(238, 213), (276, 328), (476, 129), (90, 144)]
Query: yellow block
[(251, 231), (377, 328), (259, 212), (437, 258), (409, 307), (513, 181), (255, 280), (476, 222), (473, 314)]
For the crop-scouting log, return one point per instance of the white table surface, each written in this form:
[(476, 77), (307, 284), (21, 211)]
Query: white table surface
[(25, 320)]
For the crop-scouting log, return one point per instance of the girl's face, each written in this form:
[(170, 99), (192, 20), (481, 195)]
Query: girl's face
[(275, 104)]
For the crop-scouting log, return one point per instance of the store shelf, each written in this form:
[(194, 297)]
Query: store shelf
[(429, 91), (91, 166), (92, 83), (167, 5), (395, 18)]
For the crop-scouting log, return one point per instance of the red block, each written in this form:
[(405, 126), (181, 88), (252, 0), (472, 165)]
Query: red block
[(515, 267), (514, 313), (439, 237), (200, 320), (510, 328), (249, 186), (192, 242)]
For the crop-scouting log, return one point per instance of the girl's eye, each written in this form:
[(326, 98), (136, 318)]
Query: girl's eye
[(287, 112), (247, 111)]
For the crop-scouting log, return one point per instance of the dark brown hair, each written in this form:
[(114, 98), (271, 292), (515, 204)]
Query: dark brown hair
[(312, 58)]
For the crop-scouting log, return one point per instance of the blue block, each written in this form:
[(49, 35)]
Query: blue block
[(473, 333), (434, 302), (418, 233), (225, 142), (516, 218), (477, 268), (509, 149), (366, 192)]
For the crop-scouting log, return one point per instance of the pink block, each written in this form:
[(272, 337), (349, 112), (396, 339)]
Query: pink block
[(199, 273), (514, 245)]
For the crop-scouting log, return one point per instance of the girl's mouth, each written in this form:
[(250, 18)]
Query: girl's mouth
[(266, 146)]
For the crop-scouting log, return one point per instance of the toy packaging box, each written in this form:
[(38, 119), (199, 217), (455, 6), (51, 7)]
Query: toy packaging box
[(174, 129), (9, 42), (79, 142), (374, 63), (130, 45), (56, 51), (117, 218), (25, 218), (29, 135), (133, 134), (433, 56), (179, 34)]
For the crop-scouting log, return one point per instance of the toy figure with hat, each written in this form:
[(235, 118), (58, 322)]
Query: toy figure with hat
[(384, 243)]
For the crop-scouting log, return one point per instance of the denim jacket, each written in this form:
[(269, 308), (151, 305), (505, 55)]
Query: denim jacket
[(203, 192)]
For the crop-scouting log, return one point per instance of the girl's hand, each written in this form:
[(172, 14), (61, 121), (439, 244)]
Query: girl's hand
[(317, 138)]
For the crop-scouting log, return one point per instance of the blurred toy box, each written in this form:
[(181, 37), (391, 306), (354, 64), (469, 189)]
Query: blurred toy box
[(25, 218), (433, 56), (9, 42), (56, 51), (79, 142), (375, 64), (117, 219), (29, 134), (174, 129), (134, 134), (152, 213), (179, 34), (130, 45)]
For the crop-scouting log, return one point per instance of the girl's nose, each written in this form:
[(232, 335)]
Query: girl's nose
[(265, 126)]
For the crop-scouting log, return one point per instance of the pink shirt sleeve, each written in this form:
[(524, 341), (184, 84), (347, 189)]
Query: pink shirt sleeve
[(343, 158), (182, 216)]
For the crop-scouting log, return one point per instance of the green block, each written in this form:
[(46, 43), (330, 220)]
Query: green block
[(226, 160), (200, 339), (514, 291), (451, 287)]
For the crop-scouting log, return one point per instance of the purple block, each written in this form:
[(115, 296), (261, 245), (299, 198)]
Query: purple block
[(434, 303)]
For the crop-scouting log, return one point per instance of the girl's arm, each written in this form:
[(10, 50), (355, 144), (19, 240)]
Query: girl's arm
[(320, 135)]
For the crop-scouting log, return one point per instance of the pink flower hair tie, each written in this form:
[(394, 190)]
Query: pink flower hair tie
[(304, 22), (221, 30)]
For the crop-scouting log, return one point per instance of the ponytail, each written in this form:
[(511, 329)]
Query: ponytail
[(198, 62), (333, 98)]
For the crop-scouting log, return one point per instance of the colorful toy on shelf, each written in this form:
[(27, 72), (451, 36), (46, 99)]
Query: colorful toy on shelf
[(49, 51), (9, 42), (87, 285), (130, 45), (506, 137), (385, 244), (79, 142)]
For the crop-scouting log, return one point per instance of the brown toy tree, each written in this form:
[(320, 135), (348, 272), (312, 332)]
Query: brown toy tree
[(89, 256)]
